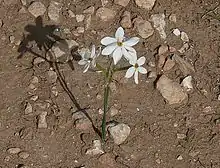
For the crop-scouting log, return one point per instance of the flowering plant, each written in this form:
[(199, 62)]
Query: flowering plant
[(115, 47)]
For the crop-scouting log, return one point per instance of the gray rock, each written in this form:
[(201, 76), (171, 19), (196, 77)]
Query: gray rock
[(12, 39), (54, 11), (23, 155), (119, 132), (105, 14), (171, 91), (96, 149), (13, 150), (42, 123), (80, 30), (146, 4), (126, 20), (159, 24), (122, 2), (38, 60), (114, 111), (52, 76), (80, 18), (28, 108), (37, 9), (104, 2), (143, 27), (90, 10), (71, 14)]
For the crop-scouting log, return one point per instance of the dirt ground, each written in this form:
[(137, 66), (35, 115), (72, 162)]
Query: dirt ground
[(162, 136)]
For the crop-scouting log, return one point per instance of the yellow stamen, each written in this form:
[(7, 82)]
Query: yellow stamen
[(136, 66), (119, 44)]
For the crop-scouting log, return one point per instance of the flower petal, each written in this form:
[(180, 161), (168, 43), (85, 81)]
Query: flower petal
[(92, 52), (130, 72), (108, 40), (141, 61), (129, 55), (142, 70), (119, 34), (109, 49), (132, 41), (136, 77), (86, 67), (117, 54), (82, 62), (93, 62)]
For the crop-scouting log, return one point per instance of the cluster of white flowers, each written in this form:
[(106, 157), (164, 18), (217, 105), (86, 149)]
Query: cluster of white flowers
[(116, 47)]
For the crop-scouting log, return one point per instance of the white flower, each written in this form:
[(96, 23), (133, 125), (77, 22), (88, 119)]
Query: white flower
[(118, 46), (137, 67), (88, 58)]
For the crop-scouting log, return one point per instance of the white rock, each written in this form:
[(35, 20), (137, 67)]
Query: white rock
[(83, 124), (119, 132), (144, 28), (80, 30), (90, 10), (52, 76), (34, 80), (28, 108), (12, 39), (54, 11), (122, 2), (23, 155), (181, 136), (13, 150), (34, 97), (97, 148), (57, 52), (159, 24), (1, 23), (171, 91), (71, 14), (38, 60), (176, 32), (187, 83), (172, 17), (54, 91), (219, 97), (42, 123), (114, 111), (37, 9), (146, 4), (184, 37), (80, 18), (184, 48), (24, 2), (126, 20), (104, 2), (72, 43), (105, 14), (179, 157)]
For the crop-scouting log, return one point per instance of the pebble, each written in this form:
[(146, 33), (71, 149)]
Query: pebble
[(34, 80), (83, 124), (1, 23), (96, 150), (80, 30), (101, 111), (143, 27), (71, 14), (54, 91), (38, 60), (187, 83), (159, 24), (172, 17), (169, 64), (104, 2), (80, 18), (28, 108), (119, 132), (54, 11), (126, 20), (176, 32), (37, 9), (219, 97), (122, 2), (171, 91), (34, 97), (181, 136), (52, 76), (57, 52), (184, 37), (107, 160), (90, 10), (42, 120), (146, 4), (105, 14), (114, 111), (13, 150), (179, 157), (152, 74), (22, 10), (12, 39), (23, 155)]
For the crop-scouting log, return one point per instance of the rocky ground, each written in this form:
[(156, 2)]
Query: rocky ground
[(51, 112)]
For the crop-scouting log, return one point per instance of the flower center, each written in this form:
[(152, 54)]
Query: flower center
[(136, 66), (90, 59), (119, 43)]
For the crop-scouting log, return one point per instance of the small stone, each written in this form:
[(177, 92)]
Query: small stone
[(184, 37), (101, 111), (52, 76), (57, 52), (22, 10), (28, 108), (99, 97), (105, 14), (1, 23), (144, 28), (172, 17), (35, 80), (171, 91), (23, 155), (179, 157), (34, 97), (184, 48), (90, 10), (42, 120), (176, 32), (181, 136), (54, 91), (54, 11), (159, 24), (114, 111), (107, 160), (121, 2), (126, 20), (80, 18), (32, 87), (71, 14), (169, 64), (38, 60), (158, 161), (77, 115), (97, 148), (83, 124), (104, 2), (37, 9), (13, 150), (24, 2), (146, 4), (219, 97), (187, 83), (80, 30), (119, 132), (152, 74), (12, 39)]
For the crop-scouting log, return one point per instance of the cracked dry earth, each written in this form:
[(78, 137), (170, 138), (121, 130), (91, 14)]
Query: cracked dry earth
[(39, 126)]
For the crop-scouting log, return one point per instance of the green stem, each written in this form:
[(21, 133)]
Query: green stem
[(122, 68)]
